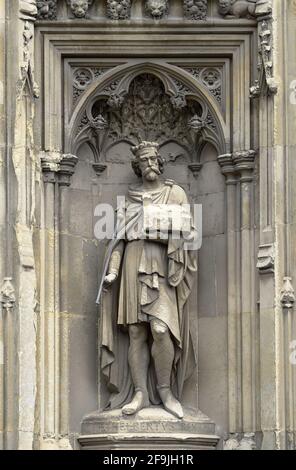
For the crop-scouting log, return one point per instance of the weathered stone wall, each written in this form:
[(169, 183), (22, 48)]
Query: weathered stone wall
[(50, 261)]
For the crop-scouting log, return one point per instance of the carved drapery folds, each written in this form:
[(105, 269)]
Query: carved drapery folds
[(143, 110)]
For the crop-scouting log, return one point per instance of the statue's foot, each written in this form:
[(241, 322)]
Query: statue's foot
[(139, 401), (171, 404)]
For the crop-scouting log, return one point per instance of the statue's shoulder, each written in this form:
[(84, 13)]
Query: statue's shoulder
[(177, 194)]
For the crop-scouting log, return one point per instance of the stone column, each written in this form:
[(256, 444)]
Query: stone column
[(8, 390), (49, 327), (67, 168), (57, 170), (244, 165), (227, 168)]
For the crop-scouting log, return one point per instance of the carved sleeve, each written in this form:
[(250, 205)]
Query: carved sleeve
[(116, 257)]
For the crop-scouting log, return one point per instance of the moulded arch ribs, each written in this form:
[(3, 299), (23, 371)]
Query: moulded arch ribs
[(177, 84)]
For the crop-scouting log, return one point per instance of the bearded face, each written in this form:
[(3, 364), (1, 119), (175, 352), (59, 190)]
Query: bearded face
[(148, 164)]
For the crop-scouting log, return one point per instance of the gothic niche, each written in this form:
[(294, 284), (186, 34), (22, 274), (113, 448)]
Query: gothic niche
[(113, 124)]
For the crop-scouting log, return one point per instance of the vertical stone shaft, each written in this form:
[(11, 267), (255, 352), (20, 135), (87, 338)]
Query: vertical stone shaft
[(233, 397), (244, 165), (2, 209), (9, 379), (67, 167), (64, 323), (49, 308)]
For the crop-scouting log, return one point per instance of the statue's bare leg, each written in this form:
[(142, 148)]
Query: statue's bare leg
[(138, 357), (163, 352)]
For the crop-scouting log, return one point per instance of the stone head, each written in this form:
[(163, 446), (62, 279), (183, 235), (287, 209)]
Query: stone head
[(79, 7), (147, 163), (157, 8), (224, 6)]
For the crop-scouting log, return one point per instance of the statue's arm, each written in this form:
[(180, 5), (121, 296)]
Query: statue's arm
[(115, 263)]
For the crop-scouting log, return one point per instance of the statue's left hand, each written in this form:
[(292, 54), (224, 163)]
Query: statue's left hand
[(109, 279)]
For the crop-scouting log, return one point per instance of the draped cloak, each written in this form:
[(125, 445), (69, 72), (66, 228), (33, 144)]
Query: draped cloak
[(154, 281)]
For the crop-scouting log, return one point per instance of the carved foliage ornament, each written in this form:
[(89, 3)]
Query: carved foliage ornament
[(287, 293), (119, 9), (145, 113), (195, 9), (265, 64), (47, 9), (7, 293)]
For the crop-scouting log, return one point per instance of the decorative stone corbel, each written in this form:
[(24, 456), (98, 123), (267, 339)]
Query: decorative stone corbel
[(79, 8), (265, 259), (99, 168), (195, 168), (244, 164), (7, 294), (287, 293)]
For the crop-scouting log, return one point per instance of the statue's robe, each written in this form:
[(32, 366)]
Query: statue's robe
[(155, 280)]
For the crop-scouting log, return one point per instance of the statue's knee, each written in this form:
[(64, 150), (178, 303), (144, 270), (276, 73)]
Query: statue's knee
[(159, 329), (136, 332)]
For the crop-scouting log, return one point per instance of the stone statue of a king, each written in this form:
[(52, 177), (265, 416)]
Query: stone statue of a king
[(146, 348)]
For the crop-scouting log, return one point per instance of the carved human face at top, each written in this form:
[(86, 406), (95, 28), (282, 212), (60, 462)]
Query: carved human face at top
[(156, 8), (79, 7), (224, 6), (148, 163)]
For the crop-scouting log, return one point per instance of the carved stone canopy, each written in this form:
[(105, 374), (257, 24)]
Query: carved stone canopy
[(146, 106)]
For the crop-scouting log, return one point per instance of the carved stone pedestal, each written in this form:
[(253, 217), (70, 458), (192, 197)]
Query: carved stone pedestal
[(151, 429)]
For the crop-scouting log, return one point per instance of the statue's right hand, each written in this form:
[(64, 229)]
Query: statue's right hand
[(109, 279)]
